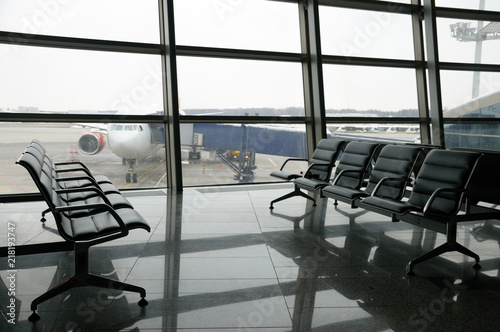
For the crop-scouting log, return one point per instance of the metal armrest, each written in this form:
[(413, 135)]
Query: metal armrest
[(291, 159), (76, 178), (337, 178), (313, 165), (437, 192), (71, 163), (379, 184), (83, 169)]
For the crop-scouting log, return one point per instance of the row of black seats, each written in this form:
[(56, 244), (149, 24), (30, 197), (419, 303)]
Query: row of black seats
[(444, 185), (87, 210)]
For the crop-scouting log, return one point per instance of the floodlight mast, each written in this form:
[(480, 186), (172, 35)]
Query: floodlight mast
[(464, 33)]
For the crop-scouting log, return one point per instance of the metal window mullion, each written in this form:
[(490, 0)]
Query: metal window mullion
[(170, 96), (467, 14), (312, 73), (72, 43), (435, 101), (422, 97)]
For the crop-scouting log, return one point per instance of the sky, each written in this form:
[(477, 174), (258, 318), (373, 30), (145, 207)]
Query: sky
[(62, 80)]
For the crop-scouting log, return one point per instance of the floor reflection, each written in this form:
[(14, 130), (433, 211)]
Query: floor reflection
[(219, 259)]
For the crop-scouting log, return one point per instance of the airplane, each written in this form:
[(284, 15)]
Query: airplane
[(131, 142)]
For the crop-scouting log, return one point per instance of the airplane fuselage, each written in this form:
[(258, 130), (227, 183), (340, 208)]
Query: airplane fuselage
[(131, 141)]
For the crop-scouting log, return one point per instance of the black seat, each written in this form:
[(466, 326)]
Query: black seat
[(394, 164), (97, 224), (78, 189), (354, 162), (320, 167), (436, 197), (319, 156), (72, 166)]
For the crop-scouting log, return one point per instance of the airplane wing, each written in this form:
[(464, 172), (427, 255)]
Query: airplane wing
[(100, 128)]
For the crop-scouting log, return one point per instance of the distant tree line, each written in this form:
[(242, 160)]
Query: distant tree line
[(298, 111)]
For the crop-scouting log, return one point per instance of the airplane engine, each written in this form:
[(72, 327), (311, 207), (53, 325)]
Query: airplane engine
[(91, 143)]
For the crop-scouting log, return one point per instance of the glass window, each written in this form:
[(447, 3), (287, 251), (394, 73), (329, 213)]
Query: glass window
[(251, 24), (468, 4), (54, 80), (239, 153), (473, 136), (468, 41), (210, 86), (351, 32), (111, 153), (370, 91), (470, 94), (124, 20), (404, 133)]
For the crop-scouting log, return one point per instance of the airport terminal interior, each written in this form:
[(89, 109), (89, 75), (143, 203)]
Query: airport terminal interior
[(184, 111)]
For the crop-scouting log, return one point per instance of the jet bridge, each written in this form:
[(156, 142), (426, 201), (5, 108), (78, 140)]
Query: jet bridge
[(244, 141)]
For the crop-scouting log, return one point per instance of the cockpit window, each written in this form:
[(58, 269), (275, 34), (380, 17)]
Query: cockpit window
[(116, 127)]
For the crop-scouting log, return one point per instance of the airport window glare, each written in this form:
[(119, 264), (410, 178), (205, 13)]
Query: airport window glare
[(375, 92), (210, 86), (131, 20), (58, 81), (130, 157), (470, 94), (251, 24), (473, 135), (362, 33)]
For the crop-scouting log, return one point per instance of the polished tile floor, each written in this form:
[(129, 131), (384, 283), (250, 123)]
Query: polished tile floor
[(218, 259)]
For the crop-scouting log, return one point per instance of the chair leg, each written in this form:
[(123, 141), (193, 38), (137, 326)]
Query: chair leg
[(44, 212), (83, 278), (428, 255), (98, 281), (296, 192), (59, 289), (450, 245)]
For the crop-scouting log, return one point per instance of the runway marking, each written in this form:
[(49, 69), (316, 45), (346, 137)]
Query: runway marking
[(8, 182), (272, 162)]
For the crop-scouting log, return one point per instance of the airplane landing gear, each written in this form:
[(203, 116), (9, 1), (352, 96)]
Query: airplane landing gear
[(131, 175)]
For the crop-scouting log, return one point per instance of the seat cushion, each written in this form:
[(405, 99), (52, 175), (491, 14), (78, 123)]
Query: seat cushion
[(285, 175), (389, 205), (93, 226), (443, 169), (357, 156), (342, 192), (310, 184), (117, 202), (394, 161)]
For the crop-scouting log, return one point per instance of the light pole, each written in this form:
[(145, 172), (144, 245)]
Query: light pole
[(464, 33)]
